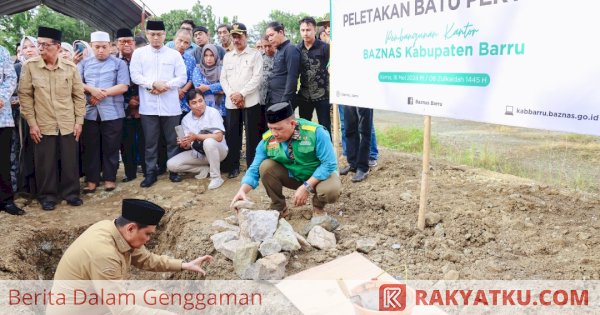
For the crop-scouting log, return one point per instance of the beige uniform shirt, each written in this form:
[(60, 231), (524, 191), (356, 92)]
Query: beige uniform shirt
[(242, 72), (53, 100), (101, 253)]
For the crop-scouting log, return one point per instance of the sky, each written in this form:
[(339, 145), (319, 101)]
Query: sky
[(249, 12)]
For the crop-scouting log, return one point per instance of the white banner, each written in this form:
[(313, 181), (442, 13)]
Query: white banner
[(520, 63)]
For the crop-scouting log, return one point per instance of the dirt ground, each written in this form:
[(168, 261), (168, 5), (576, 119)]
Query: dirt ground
[(491, 226)]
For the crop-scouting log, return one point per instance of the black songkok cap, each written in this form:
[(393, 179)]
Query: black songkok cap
[(200, 29), (124, 32), (48, 32), (142, 211), (278, 112), (155, 26)]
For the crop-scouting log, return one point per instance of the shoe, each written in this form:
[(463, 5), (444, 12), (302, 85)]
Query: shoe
[(203, 173), (75, 201), (215, 183), (48, 205), (148, 181), (109, 189), (234, 173), (372, 163), (347, 170), (174, 177), (127, 179), (87, 190), (360, 176), (11, 208)]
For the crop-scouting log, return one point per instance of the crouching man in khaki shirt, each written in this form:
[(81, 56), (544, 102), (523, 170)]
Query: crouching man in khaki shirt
[(107, 249)]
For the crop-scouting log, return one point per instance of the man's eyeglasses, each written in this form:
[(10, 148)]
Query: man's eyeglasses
[(126, 41), (45, 45)]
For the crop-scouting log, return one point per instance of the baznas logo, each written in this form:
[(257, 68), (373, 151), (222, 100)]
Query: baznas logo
[(411, 101)]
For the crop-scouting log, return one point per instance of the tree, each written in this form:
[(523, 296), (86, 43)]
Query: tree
[(198, 13), (14, 27)]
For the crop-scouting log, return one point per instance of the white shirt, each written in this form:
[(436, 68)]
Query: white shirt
[(149, 65), (210, 119), (242, 72)]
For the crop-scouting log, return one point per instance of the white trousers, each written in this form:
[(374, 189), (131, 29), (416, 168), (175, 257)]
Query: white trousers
[(191, 161)]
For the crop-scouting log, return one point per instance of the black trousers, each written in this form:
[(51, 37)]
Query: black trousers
[(6, 190), (323, 107), (233, 134), (153, 127), (101, 143), (47, 154), (358, 122), (132, 146)]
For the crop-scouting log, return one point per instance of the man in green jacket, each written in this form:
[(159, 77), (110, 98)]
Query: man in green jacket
[(297, 154)]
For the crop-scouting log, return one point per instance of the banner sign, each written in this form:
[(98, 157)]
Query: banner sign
[(512, 62)]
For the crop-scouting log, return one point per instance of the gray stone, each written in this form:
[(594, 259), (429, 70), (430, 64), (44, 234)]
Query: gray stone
[(406, 196), (452, 275), (242, 204), (230, 248), (258, 225), (46, 247), (221, 238), (365, 245), (233, 220), (432, 218), (268, 268), (286, 236), (244, 258), (222, 226), (269, 247), (321, 238), (327, 222), (304, 244)]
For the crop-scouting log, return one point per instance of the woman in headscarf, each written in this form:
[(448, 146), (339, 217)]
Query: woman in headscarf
[(22, 171), (66, 51), (29, 48), (206, 79)]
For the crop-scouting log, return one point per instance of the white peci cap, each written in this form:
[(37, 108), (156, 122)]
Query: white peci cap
[(99, 37)]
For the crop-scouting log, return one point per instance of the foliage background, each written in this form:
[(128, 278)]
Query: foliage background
[(16, 26)]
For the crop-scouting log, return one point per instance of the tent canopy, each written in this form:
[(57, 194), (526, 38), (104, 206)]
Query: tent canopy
[(106, 15)]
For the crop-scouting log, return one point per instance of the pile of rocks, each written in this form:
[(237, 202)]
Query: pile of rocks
[(259, 242)]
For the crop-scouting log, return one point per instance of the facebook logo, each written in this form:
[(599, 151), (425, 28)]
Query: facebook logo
[(411, 101), (392, 297)]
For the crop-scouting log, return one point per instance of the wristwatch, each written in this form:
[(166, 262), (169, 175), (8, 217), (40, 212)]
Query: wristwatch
[(309, 187)]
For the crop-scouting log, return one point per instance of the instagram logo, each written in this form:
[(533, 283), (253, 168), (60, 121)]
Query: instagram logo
[(392, 297)]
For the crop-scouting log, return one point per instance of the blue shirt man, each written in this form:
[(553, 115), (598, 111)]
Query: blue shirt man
[(105, 79), (104, 74)]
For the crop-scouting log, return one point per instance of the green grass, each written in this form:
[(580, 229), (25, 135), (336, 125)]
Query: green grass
[(404, 139), (410, 140)]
